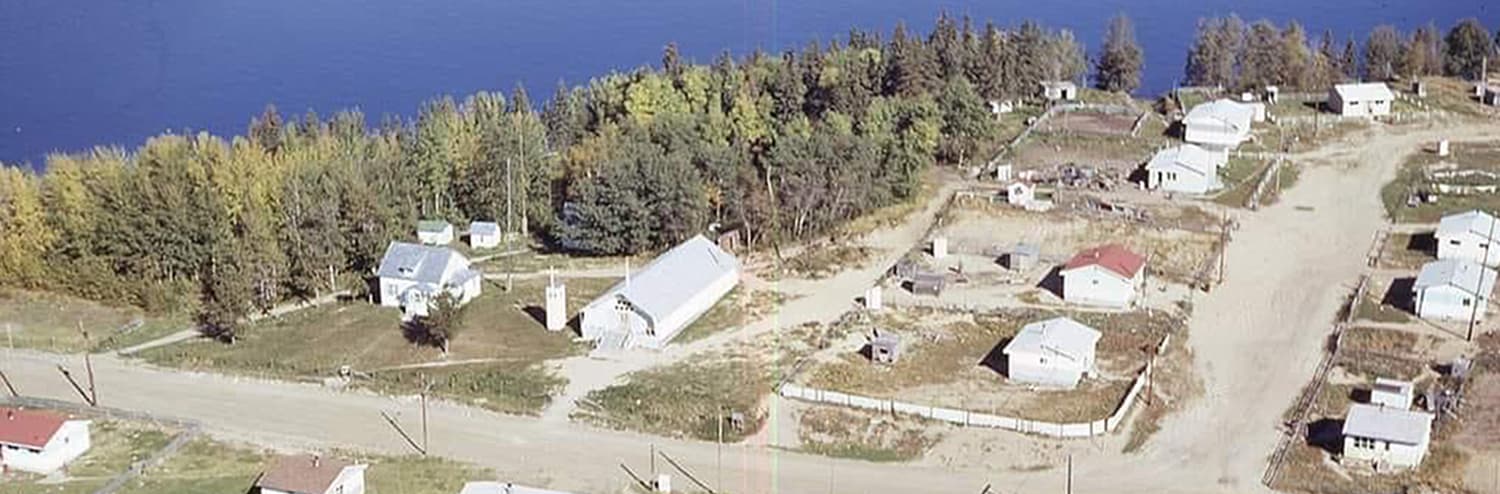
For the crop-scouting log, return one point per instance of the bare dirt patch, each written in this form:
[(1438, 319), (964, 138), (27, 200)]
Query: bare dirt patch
[(1090, 122), (864, 435)]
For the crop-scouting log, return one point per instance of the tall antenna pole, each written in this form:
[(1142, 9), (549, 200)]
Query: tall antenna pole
[(1479, 297)]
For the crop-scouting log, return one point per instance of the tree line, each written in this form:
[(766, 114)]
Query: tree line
[(1229, 53), (780, 147)]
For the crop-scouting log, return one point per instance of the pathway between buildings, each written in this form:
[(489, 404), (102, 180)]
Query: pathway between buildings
[(191, 333)]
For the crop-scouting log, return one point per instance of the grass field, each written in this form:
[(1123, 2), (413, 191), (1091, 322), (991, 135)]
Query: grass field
[(499, 329), (686, 399), (48, 321), (115, 445), (862, 435), (1483, 156)]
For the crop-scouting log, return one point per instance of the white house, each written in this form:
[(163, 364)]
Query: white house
[(434, 232), (1059, 90), (1453, 289), (40, 442), (1020, 193), (1392, 393), (484, 234), (308, 474), (1056, 352), (1469, 236), (1187, 168), (1108, 275), (652, 305), (1368, 99), (1218, 125), (503, 488), (412, 276), (1386, 437)]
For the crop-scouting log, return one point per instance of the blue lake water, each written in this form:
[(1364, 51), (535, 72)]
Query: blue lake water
[(76, 73)]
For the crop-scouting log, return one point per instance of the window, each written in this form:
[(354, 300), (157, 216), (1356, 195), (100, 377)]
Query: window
[(1466, 302), (1454, 242)]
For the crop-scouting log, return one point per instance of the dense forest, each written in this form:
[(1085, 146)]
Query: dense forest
[(1229, 53), (779, 146)]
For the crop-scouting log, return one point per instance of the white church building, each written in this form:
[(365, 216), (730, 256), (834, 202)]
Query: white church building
[(653, 304), (412, 276)]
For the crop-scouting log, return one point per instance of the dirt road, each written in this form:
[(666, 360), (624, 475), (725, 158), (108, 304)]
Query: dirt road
[(1256, 339)]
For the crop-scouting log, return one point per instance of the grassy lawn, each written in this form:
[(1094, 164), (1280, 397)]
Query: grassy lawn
[(49, 321), (535, 260), (816, 263), (203, 466), (115, 445), (1370, 309), (1483, 156), (953, 366), (686, 399), (498, 327), (862, 435)]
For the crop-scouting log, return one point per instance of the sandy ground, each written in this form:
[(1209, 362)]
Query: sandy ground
[(1256, 339)]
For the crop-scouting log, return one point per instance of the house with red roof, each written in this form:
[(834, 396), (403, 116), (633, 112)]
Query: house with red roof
[(1109, 275), (40, 442)]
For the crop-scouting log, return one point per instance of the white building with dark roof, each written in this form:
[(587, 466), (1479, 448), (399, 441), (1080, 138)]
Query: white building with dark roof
[(1187, 168), (1453, 289), (1368, 99), (653, 304), (1386, 437), (1218, 125), (311, 474), (412, 276), (40, 442), (1468, 236), (1056, 352)]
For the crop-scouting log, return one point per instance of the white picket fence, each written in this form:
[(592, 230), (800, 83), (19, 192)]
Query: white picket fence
[(976, 419)]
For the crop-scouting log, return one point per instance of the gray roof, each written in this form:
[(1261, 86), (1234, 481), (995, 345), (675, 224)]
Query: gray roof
[(1189, 156), (1472, 221), (420, 263), (1224, 111), (1387, 424), (1059, 335), (432, 225), (1461, 274), (484, 228), (674, 277)]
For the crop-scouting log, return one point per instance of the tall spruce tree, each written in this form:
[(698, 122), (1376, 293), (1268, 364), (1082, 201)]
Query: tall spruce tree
[(1119, 65)]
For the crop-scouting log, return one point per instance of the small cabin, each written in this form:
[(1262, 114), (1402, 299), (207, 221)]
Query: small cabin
[(885, 347), (434, 232), (926, 283), (1059, 90)]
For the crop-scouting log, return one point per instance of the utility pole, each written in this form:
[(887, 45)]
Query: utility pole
[(719, 453), (426, 387), (88, 365), (1479, 298), (1070, 474), (8, 386)]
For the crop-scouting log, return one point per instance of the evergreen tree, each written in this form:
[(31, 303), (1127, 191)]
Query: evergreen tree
[(1216, 52), (1264, 60), (1383, 57), (1297, 67), (1119, 66), (911, 70), (1468, 45), (1349, 61)]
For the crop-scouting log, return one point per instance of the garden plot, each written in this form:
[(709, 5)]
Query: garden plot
[(1429, 186), (954, 360), (1090, 122)]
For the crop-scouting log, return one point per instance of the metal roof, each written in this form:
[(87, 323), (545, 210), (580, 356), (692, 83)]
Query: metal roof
[(1387, 424), (484, 228), (1464, 275), (422, 264), (1060, 335), (1113, 257), (1188, 156), (1471, 221), (1366, 91), (432, 226), (673, 278), (28, 428), (1229, 113)]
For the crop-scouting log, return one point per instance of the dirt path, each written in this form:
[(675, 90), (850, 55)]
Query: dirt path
[(191, 333), (1256, 339)]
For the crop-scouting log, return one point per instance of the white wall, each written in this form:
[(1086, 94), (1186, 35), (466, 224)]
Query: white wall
[(482, 241), (679, 319), (436, 238), (1394, 454), (71, 441), (1447, 302), (601, 317), (349, 481), (1468, 246), (1356, 108), (1050, 371), (1180, 180), (1212, 134), (1093, 285)]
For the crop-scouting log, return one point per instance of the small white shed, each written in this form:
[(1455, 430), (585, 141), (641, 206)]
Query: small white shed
[(1386, 437), (1108, 275), (1453, 289), (434, 232), (1469, 236), (311, 474), (1056, 352), (484, 235), (1059, 90), (1392, 393), (40, 442), (1367, 99), (1187, 169)]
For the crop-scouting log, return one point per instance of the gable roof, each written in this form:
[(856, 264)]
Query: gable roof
[(1060, 336), (432, 226), (28, 428), (302, 474), (420, 263), (1387, 424), (1113, 257), (1367, 91), (1188, 156), (1471, 221), (670, 280), (484, 228), (1461, 274), (1224, 112)]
